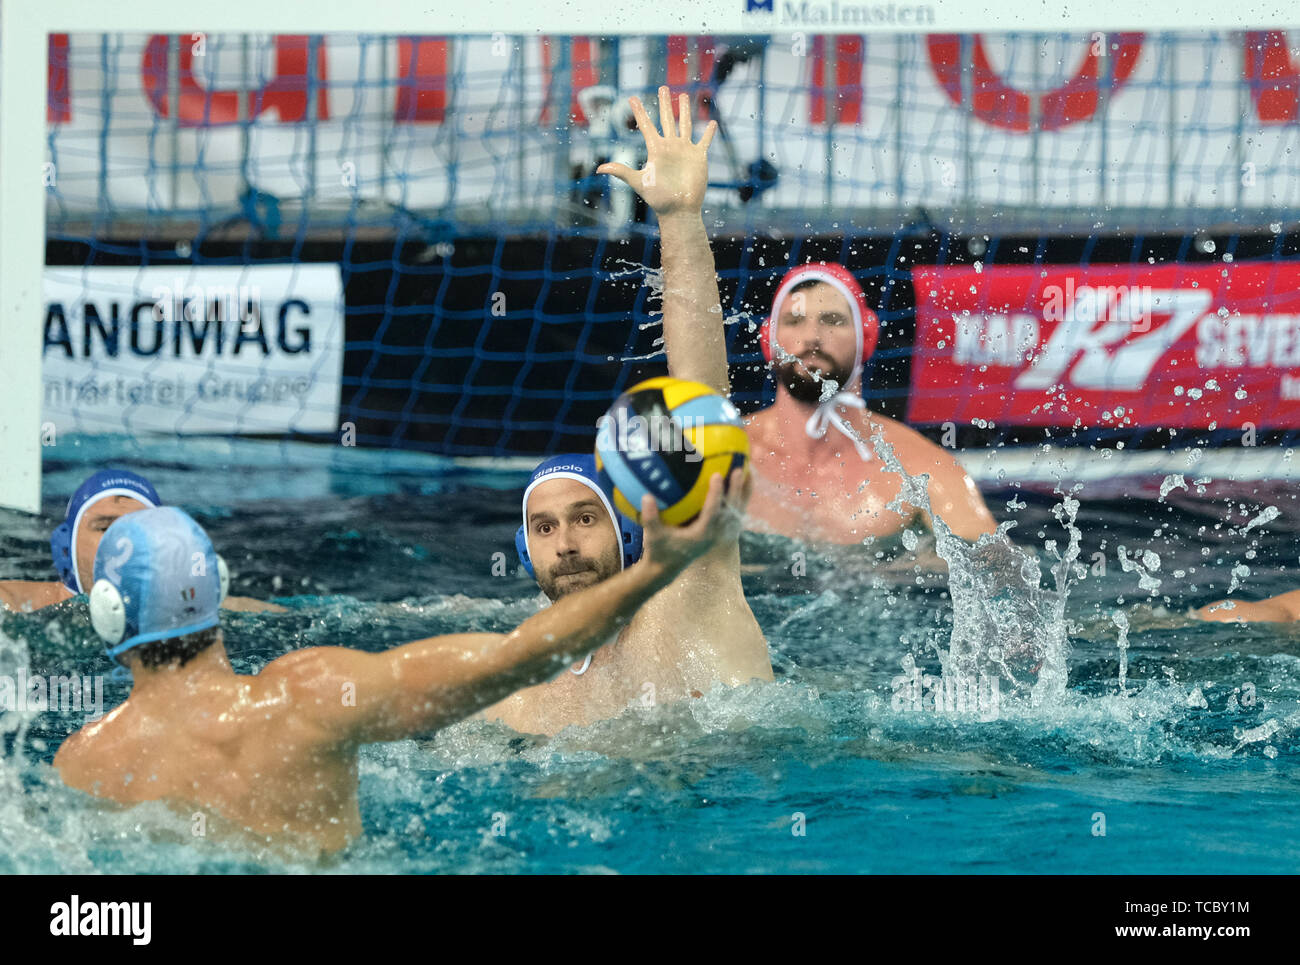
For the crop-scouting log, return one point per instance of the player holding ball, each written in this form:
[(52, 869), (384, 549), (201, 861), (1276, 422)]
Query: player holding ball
[(577, 528)]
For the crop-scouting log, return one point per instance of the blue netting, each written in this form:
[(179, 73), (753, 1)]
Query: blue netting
[(491, 299)]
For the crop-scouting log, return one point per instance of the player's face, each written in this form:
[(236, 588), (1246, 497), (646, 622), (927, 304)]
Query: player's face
[(99, 517), (571, 538), (815, 325)]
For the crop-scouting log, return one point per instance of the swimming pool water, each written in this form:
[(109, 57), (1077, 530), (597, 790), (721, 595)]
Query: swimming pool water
[(1193, 769)]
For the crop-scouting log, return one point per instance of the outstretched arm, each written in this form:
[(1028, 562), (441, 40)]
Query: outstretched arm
[(1284, 608), (673, 183), (422, 686), (246, 604)]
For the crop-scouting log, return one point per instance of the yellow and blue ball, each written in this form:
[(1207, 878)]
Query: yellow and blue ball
[(669, 437)]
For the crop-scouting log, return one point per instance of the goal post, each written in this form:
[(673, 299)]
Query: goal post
[(22, 253)]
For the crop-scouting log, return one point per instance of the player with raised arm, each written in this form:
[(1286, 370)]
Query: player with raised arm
[(699, 631)]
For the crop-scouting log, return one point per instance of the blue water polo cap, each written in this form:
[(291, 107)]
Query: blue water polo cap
[(103, 484), (583, 469), (156, 577)]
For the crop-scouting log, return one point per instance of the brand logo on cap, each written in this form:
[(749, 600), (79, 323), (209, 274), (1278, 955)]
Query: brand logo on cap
[(564, 468)]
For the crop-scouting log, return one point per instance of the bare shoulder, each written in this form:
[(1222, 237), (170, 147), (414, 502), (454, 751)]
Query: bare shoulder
[(32, 594), (80, 757), (916, 452), (759, 426), (70, 750), (758, 416), (313, 666)]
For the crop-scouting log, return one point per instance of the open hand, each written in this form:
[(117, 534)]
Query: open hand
[(676, 171)]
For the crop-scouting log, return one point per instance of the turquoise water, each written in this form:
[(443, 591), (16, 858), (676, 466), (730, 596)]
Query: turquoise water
[(1192, 769)]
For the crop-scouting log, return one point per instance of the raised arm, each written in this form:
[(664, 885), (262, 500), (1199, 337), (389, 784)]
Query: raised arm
[(673, 183), (422, 686)]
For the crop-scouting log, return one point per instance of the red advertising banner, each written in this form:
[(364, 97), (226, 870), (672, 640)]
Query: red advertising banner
[(1172, 346)]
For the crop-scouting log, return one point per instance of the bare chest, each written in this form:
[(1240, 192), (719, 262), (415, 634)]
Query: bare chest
[(835, 496), (639, 671)]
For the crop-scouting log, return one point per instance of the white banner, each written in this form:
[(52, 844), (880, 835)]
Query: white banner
[(193, 349), (849, 121)]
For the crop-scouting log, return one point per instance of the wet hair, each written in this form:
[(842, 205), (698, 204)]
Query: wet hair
[(179, 650)]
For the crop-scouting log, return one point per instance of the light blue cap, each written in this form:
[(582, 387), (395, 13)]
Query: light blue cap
[(163, 567)]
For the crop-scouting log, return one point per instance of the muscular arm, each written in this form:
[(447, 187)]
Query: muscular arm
[(694, 337), (706, 608), (417, 688), (1284, 608), (673, 184), (954, 497), (245, 604)]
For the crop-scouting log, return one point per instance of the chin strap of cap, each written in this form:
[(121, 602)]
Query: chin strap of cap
[(866, 330), (827, 415)]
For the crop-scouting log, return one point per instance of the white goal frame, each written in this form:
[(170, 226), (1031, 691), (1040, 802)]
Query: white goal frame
[(26, 24)]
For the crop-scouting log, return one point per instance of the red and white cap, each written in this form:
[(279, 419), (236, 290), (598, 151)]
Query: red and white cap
[(866, 325)]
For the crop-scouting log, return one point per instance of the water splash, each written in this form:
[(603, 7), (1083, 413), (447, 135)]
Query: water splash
[(1120, 619), (1144, 565), (1267, 515), (1006, 624), (1170, 483), (27, 844), (653, 279)]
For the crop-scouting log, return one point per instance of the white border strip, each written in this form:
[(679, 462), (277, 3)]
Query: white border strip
[(1073, 464), (638, 17)]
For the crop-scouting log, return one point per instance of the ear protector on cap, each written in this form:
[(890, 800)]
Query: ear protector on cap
[(842, 280), (108, 609), (521, 547), (107, 612)]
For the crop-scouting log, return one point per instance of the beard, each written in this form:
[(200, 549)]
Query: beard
[(807, 386), (572, 575)]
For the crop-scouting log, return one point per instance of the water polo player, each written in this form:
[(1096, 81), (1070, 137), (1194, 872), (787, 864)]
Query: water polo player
[(275, 754), (818, 476), (700, 630), (98, 502)]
